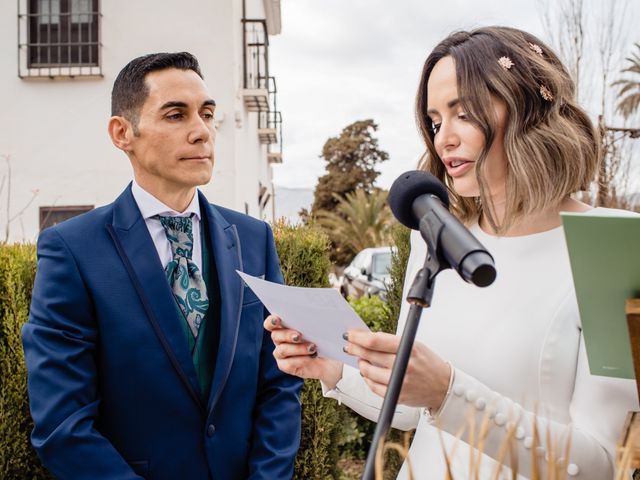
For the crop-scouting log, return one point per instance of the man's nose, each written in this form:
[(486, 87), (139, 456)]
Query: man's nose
[(200, 130)]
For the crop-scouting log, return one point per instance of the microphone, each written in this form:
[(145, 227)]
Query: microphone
[(420, 201)]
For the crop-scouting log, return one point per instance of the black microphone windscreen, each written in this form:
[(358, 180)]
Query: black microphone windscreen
[(409, 186)]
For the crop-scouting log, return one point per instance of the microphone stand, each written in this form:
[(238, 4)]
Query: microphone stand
[(419, 297)]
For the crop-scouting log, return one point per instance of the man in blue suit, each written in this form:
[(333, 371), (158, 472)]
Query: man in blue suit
[(146, 356)]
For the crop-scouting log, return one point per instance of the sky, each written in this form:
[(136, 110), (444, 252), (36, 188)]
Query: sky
[(338, 61)]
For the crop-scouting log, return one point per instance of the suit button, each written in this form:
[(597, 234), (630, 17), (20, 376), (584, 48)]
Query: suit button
[(211, 430)]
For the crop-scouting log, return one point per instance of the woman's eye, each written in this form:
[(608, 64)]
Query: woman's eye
[(462, 116), (435, 128)]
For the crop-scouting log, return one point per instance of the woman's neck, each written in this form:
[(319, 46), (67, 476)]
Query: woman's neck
[(534, 223)]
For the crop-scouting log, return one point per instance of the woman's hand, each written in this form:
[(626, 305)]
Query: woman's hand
[(297, 357), (426, 380)]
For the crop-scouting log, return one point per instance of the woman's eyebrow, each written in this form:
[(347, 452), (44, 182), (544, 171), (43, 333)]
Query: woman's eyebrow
[(450, 104)]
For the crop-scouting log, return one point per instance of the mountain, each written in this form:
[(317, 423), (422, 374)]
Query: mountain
[(289, 201)]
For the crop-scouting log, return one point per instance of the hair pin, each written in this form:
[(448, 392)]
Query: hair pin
[(505, 62), (546, 93), (535, 48)]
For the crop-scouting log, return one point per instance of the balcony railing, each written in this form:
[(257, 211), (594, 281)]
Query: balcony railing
[(256, 64)]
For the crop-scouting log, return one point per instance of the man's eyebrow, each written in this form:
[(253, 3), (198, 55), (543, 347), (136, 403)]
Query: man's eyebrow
[(450, 104), (173, 104), (178, 104)]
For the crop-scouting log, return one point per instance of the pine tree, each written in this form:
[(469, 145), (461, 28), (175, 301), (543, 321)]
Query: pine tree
[(351, 159)]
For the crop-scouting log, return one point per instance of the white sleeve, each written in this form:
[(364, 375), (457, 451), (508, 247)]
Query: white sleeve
[(352, 390), (598, 408)]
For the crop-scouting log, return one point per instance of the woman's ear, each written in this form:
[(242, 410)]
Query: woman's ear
[(121, 133)]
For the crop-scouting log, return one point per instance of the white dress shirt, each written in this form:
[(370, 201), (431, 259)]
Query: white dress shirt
[(150, 206)]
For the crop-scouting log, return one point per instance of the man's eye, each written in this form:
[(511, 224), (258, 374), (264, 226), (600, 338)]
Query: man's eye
[(435, 128), (208, 115), (175, 116)]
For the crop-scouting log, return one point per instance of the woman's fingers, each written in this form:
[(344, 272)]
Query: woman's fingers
[(373, 357), (380, 375), (287, 350), (379, 341), (376, 387), (272, 322), (284, 335)]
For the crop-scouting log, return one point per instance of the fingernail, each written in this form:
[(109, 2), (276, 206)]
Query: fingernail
[(361, 374), (315, 354), (311, 348), (344, 349), (345, 335), (296, 338), (274, 322)]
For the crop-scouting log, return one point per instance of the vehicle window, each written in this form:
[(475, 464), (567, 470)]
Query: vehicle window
[(381, 263), (358, 261)]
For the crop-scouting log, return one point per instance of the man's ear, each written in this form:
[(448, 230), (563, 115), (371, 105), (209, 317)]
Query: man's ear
[(121, 132)]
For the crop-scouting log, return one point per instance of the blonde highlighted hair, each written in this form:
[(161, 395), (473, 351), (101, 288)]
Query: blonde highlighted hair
[(551, 145)]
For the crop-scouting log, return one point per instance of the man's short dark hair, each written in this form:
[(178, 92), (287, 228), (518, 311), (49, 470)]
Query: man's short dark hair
[(130, 90)]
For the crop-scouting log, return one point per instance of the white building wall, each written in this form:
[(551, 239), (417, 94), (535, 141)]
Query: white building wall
[(55, 130)]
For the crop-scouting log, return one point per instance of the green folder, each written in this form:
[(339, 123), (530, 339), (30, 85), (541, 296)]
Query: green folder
[(604, 250)]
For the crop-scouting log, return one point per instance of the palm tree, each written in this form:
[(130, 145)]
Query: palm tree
[(360, 220), (630, 87)]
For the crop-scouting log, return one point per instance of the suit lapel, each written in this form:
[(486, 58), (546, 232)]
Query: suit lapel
[(134, 244), (226, 250)]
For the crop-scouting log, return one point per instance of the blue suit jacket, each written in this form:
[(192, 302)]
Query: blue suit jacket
[(112, 386)]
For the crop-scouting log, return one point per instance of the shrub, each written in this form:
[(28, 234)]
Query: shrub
[(380, 317), (304, 259), (17, 271)]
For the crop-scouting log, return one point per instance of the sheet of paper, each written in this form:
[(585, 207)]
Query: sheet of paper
[(320, 314)]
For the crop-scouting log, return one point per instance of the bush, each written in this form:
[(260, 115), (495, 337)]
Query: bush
[(380, 317), (17, 272), (304, 259)]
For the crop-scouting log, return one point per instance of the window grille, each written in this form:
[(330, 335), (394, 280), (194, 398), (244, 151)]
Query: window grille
[(59, 38), (50, 216)]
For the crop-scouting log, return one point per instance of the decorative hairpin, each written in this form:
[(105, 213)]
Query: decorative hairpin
[(505, 62), (535, 48), (546, 93)]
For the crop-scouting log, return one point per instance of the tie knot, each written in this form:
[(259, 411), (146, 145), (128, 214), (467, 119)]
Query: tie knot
[(179, 231)]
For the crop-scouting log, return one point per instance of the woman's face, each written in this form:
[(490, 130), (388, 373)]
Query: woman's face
[(459, 142)]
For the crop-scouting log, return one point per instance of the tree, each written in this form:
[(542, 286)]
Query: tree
[(629, 92), (360, 220), (351, 160), (589, 39)]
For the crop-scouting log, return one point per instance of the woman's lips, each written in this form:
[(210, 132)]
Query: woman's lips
[(458, 166)]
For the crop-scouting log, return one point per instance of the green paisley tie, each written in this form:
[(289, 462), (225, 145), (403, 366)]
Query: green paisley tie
[(183, 274)]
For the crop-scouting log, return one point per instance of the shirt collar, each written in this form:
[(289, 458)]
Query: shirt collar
[(150, 206)]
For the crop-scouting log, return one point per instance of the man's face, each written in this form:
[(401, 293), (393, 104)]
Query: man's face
[(173, 150)]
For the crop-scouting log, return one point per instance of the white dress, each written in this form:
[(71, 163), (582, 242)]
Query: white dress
[(517, 349)]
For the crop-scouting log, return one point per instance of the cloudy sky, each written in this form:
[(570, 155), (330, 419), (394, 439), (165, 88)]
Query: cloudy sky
[(337, 61)]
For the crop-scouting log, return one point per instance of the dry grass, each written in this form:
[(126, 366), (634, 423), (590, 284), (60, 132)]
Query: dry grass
[(552, 465)]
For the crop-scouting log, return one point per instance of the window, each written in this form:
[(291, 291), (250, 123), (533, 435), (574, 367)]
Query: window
[(59, 38), (50, 216)]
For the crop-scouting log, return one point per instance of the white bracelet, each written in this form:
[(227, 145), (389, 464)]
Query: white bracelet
[(427, 411)]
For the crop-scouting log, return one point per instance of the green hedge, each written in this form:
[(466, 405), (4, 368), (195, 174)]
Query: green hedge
[(304, 259), (17, 270), (382, 317)]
